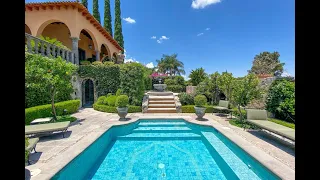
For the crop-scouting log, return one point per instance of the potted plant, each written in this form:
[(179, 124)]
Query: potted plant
[(200, 101), (122, 106)]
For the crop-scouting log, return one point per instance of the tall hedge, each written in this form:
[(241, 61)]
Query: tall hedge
[(132, 82), (107, 76)]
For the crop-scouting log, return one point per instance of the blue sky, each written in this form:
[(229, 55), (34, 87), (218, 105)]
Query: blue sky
[(217, 35)]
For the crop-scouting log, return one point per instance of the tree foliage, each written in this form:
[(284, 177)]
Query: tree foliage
[(118, 36), (281, 99), (169, 64), (85, 3), (107, 17), (225, 84), (96, 13), (197, 76), (267, 63), (245, 90), (52, 74)]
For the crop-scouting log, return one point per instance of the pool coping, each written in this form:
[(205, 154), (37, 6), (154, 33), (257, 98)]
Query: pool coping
[(48, 170)]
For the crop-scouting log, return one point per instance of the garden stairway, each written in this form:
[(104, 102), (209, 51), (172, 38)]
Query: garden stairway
[(161, 102)]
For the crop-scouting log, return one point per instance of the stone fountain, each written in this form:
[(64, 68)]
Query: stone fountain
[(160, 87)]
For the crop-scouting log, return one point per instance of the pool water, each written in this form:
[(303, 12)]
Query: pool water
[(163, 149)]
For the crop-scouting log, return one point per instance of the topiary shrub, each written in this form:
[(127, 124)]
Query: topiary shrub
[(96, 63), (122, 101), (42, 111), (84, 62), (109, 94), (200, 100), (111, 100), (102, 100), (119, 92), (186, 99), (109, 109)]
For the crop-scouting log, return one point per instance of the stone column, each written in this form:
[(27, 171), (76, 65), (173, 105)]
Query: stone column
[(97, 55), (75, 49)]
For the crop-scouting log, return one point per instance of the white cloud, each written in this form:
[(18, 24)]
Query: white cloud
[(153, 37), (186, 78), (200, 34), (158, 41), (200, 4), (129, 20), (164, 37), (207, 29), (129, 60), (150, 65)]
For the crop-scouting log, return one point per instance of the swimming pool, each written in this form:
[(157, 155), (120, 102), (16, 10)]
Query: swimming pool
[(163, 149)]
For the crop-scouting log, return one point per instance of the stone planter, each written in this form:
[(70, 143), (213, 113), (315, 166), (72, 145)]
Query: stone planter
[(160, 87), (122, 112), (200, 111)]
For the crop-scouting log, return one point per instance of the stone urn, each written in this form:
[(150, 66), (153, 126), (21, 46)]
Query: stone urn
[(160, 87), (200, 111), (122, 112)]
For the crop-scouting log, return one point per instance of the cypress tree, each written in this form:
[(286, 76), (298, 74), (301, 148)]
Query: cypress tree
[(107, 17), (117, 25), (85, 3), (96, 13)]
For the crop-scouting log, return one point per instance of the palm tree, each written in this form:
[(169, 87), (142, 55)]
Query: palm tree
[(169, 64), (197, 76)]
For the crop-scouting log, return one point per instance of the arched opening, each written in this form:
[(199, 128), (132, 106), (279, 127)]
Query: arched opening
[(58, 31), (222, 96), (86, 47), (104, 54), (27, 29), (87, 93)]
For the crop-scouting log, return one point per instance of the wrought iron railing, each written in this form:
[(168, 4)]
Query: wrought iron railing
[(38, 46)]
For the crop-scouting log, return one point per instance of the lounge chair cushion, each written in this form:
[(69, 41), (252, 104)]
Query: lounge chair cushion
[(257, 114), (49, 127), (274, 127), (32, 143), (220, 108), (223, 103)]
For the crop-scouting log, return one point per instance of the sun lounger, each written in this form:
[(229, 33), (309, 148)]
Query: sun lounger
[(259, 118), (32, 146), (223, 106), (47, 128)]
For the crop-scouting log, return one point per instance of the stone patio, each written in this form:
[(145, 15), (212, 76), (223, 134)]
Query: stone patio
[(54, 151)]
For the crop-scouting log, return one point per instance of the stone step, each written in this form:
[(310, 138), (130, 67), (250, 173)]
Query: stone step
[(156, 98), (161, 110), (162, 105), (160, 93), (162, 102)]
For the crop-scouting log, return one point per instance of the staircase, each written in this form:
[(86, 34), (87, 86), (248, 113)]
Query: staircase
[(161, 102)]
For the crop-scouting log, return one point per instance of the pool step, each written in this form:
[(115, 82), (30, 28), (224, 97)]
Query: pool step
[(234, 162), (181, 135), (156, 123)]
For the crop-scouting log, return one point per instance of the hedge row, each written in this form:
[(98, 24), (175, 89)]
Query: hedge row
[(42, 111), (110, 109), (190, 109)]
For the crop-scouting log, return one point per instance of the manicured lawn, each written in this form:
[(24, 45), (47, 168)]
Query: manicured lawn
[(283, 123), (66, 118)]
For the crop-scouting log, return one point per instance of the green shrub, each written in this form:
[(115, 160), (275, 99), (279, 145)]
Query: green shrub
[(284, 123), (237, 113), (108, 63), (109, 94), (169, 82), (175, 88), (190, 109), (122, 101), (281, 99), (242, 124), (109, 109), (96, 63), (42, 111), (119, 92), (186, 99), (179, 80), (111, 100), (102, 100), (84, 62), (200, 100)]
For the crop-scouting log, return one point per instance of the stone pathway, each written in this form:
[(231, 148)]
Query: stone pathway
[(54, 151)]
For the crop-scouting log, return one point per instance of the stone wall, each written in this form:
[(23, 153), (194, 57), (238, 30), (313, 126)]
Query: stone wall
[(191, 89)]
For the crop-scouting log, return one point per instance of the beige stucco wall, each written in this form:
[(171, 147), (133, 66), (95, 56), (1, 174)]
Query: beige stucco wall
[(37, 20)]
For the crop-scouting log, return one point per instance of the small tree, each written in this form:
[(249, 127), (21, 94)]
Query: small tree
[(197, 76), (96, 13), (245, 90), (213, 86), (267, 63), (225, 83), (85, 3), (55, 73)]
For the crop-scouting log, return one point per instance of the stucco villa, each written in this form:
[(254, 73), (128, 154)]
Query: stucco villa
[(73, 25), (81, 34)]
